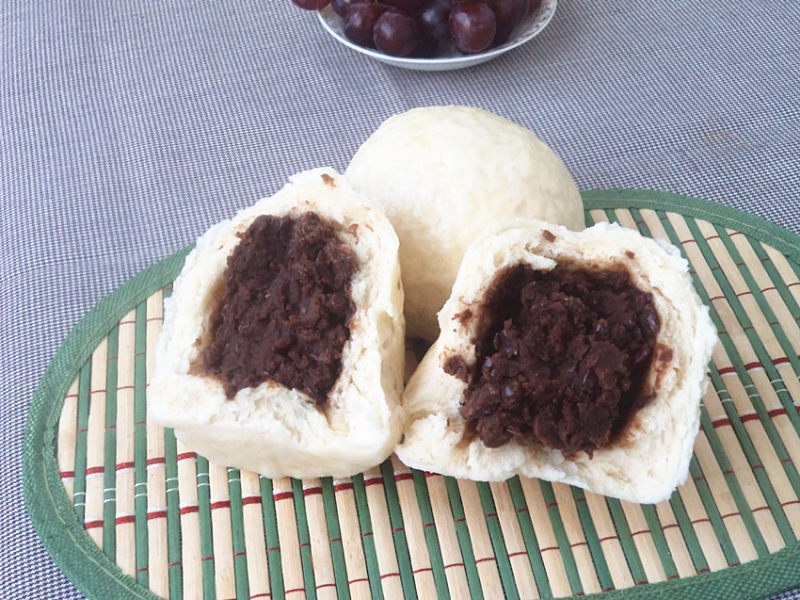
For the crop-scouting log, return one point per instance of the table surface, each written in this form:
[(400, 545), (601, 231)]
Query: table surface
[(128, 128)]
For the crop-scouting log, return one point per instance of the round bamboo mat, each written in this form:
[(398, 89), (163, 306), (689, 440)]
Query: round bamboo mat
[(128, 512)]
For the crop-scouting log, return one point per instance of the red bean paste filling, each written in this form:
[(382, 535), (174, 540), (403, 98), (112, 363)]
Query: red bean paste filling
[(561, 358), (286, 307)]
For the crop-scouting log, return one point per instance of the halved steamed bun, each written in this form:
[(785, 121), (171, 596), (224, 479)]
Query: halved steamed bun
[(321, 421), (442, 174), (646, 453)]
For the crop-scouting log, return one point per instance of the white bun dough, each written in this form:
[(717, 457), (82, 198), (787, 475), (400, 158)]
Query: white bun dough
[(271, 429), (651, 455), (442, 174)]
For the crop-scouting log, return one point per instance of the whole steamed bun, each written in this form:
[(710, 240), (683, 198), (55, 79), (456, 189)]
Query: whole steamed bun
[(442, 174)]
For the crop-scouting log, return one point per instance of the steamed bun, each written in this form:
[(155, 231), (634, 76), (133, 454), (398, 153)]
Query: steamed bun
[(270, 428), (442, 174), (651, 454)]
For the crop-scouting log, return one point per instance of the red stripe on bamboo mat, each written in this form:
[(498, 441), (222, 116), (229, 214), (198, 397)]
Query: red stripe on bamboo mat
[(751, 416), (385, 575), (753, 365)]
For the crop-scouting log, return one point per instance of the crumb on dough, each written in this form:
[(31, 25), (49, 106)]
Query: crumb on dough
[(464, 316)]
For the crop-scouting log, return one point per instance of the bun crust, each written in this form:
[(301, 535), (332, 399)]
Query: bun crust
[(271, 429), (442, 174), (651, 455)]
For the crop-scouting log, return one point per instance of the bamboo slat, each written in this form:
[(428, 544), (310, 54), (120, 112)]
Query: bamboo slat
[(324, 576), (95, 445), (357, 579), (292, 572), (125, 520), (514, 542), (382, 534), (67, 436), (191, 547)]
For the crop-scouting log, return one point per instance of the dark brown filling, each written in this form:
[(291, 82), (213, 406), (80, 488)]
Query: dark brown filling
[(286, 307), (561, 357)]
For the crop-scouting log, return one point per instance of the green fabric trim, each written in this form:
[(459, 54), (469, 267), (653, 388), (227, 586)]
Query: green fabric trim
[(97, 576)]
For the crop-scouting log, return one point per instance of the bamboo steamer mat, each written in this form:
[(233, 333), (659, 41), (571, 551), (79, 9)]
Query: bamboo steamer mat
[(127, 512)]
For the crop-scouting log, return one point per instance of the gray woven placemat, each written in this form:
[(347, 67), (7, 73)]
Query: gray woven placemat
[(128, 128)]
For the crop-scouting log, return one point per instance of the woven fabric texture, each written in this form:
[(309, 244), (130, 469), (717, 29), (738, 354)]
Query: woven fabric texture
[(130, 127)]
